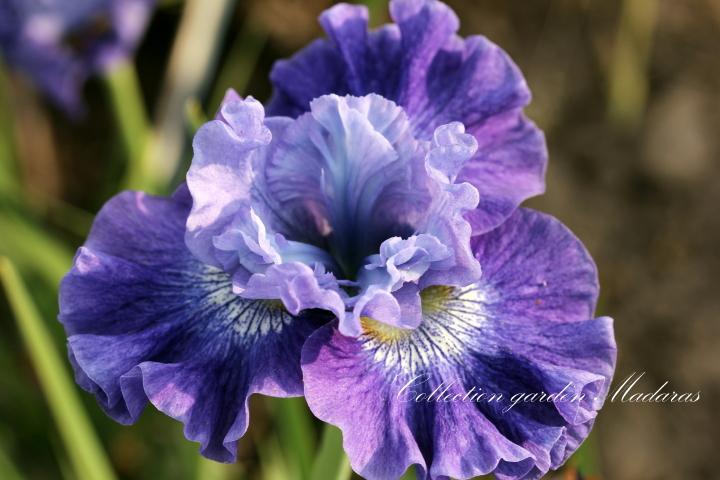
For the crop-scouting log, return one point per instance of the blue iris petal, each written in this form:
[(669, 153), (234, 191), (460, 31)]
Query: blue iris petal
[(146, 321)]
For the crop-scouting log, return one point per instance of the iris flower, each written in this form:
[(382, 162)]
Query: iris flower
[(360, 244), (60, 43)]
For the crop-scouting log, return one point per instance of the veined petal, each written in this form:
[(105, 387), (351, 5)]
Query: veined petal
[(220, 176), (524, 328), (146, 321), (450, 150), (298, 286), (352, 166), (227, 226), (420, 63), (509, 167)]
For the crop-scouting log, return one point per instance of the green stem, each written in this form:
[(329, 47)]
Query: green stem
[(132, 121), (8, 471), (587, 458), (86, 455), (628, 79), (331, 463), (296, 433)]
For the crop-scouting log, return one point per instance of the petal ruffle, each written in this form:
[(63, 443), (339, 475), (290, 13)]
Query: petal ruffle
[(440, 255), (147, 321), (224, 229), (522, 329), (220, 177), (421, 64), (351, 165)]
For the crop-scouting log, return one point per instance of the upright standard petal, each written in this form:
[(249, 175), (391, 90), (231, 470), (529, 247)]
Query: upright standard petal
[(227, 227), (221, 175), (146, 321), (420, 63), (349, 171), (385, 205), (454, 395), (439, 252)]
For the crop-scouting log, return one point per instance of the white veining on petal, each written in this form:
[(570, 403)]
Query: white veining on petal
[(451, 318), (247, 318)]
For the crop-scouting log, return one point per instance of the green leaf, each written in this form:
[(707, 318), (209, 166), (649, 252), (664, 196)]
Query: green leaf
[(295, 428), (586, 459), (211, 470), (30, 247), (194, 115), (331, 463), (272, 461), (7, 167), (193, 58), (243, 57), (378, 10), (132, 121), (628, 79), (7, 468), (86, 455), (409, 474)]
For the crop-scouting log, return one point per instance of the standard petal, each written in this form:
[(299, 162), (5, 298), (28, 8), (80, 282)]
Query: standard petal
[(437, 78), (220, 176), (349, 169), (355, 62), (147, 321), (412, 397), (509, 167)]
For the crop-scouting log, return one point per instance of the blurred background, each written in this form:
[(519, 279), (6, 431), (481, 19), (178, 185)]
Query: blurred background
[(628, 94)]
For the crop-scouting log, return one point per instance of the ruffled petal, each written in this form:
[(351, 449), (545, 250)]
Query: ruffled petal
[(452, 201), (298, 287), (524, 328), (227, 224), (438, 78), (147, 321), (220, 176), (350, 174), (368, 185), (509, 167), (355, 62)]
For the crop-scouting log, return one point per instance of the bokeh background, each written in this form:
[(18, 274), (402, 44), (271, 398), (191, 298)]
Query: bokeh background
[(628, 94)]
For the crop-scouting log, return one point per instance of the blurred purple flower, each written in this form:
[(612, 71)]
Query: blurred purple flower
[(331, 253), (60, 43)]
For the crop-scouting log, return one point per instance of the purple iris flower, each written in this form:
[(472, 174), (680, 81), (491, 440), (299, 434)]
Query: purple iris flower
[(364, 249), (60, 43)]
